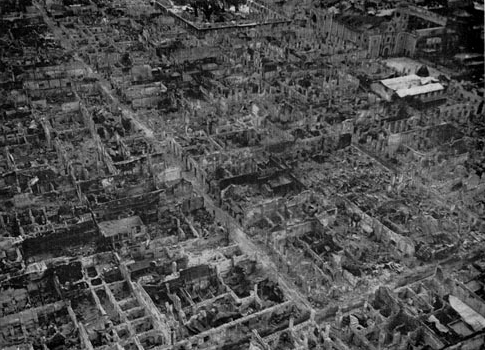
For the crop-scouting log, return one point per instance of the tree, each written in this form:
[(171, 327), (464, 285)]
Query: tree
[(235, 3), (208, 7)]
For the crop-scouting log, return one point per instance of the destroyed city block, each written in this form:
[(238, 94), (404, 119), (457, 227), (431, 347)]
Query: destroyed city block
[(242, 175)]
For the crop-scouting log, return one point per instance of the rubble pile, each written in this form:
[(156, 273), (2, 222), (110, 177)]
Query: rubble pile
[(241, 174)]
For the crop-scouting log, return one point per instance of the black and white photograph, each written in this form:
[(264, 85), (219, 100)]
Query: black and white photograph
[(242, 175)]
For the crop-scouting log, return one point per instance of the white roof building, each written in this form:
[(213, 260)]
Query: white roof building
[(413, 85)]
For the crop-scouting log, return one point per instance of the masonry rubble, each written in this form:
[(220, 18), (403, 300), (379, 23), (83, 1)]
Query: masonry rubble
[(241, 175)]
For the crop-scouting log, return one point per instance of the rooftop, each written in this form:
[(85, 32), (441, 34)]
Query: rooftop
[(419, 90), (412, 85)]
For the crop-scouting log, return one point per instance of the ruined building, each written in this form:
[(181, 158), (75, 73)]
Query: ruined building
[(253, 175)]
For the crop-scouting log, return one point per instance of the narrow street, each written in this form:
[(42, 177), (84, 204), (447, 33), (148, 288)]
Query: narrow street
[(103, 83), (245, 243), (248, 246)]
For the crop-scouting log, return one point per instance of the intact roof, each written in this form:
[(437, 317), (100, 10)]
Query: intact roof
[(404, 81), (418, 90), (411, 85)]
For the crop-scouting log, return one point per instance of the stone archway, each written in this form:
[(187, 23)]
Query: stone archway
[(385, 52)]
